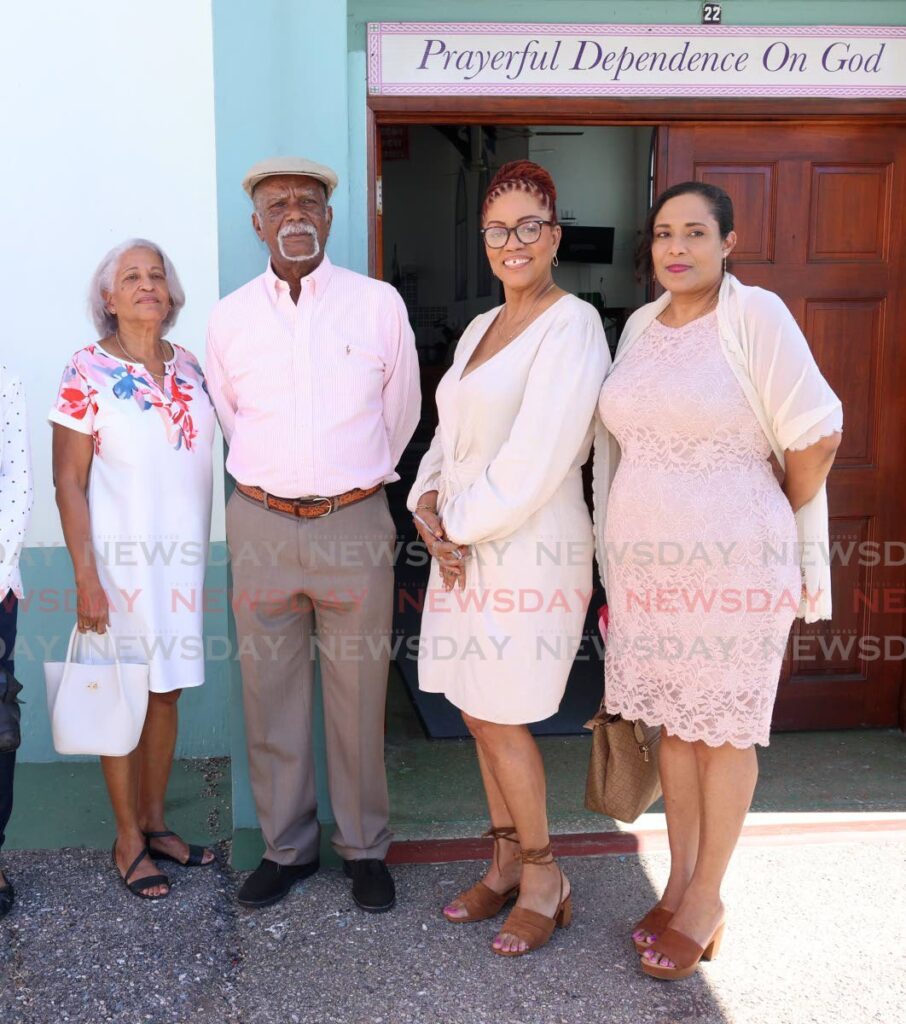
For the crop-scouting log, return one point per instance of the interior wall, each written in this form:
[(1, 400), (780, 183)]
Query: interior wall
[(601, 178), (419, 204)]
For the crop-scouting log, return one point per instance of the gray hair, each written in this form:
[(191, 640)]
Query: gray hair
[(102, 281)]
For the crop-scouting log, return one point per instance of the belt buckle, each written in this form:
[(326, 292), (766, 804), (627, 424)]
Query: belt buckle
[(331, 507)]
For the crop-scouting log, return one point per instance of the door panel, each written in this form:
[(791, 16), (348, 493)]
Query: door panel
[(752, 189), (851, 370), (815, 218)]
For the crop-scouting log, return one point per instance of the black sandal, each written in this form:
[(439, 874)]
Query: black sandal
[(196, 853), (140, 886)]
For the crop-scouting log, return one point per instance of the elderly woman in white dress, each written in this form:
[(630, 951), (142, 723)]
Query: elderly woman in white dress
[(499, 502), (133, 428)]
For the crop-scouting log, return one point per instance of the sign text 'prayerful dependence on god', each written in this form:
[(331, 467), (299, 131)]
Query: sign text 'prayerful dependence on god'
[(406, 59)]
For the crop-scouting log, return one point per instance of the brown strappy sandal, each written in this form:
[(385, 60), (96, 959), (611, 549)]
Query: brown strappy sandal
[(529, 926), (480, 901), (654, 923), (684, 951)]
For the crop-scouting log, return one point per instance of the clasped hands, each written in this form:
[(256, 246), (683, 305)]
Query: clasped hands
[(450, 557)]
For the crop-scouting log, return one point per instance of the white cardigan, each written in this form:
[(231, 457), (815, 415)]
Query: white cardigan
[(770, 358)]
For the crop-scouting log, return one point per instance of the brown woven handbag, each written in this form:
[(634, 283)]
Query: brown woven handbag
[(623, 780)]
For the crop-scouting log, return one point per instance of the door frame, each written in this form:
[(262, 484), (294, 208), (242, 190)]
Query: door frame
[(598, 111)]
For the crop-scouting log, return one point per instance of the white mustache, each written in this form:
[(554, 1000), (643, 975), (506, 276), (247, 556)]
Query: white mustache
[(298, 229)]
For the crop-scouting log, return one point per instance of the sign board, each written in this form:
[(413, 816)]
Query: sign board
[(635, 60)]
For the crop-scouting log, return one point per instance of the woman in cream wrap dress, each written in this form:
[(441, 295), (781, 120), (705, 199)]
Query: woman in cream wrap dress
[(499, 503)]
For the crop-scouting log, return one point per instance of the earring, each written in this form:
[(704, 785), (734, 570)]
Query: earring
[(555, 262), (725, 264)]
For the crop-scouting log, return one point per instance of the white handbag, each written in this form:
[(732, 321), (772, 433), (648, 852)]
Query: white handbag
[(96, 708)]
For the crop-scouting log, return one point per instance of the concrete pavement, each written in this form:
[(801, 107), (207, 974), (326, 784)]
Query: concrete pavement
[(816, 933)]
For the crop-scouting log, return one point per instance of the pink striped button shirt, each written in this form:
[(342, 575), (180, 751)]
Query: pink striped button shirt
[(319, 397)]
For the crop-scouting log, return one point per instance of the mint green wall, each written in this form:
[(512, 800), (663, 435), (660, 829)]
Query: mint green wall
[(280, 87), (628, 12), (46, 617)]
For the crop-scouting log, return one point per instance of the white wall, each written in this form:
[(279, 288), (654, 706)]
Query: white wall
[(107, 121), (601, 179)]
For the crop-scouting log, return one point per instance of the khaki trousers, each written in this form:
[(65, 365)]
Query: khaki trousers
[(306, 589)]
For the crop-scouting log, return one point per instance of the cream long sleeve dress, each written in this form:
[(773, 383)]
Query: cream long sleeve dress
[(506, 460)]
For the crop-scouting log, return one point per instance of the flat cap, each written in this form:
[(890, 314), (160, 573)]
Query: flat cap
[(275, 165)]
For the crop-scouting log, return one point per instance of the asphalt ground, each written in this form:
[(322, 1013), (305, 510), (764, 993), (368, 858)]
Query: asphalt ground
[(815, 933)]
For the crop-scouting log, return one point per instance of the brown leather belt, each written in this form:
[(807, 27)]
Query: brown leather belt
[(306, 508)]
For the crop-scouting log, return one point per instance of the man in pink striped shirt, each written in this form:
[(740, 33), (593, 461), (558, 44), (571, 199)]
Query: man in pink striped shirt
[(314, 374)]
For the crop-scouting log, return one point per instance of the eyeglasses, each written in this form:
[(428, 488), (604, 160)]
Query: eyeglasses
[(528, 231)]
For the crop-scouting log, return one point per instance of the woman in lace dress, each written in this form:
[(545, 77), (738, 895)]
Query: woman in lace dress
[(701, 545)]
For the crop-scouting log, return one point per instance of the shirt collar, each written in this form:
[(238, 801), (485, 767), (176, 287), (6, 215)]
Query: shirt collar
[(314, 283)]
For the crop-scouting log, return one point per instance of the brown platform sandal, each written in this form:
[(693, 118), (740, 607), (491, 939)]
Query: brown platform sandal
[(480, 901), (532, 928), (654, 922), (683, 951)]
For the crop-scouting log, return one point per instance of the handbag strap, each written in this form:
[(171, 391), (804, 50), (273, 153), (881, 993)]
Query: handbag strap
[(74, 638), (644, 744)]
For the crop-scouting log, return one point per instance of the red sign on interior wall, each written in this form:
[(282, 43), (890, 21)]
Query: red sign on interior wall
[(395, 142)]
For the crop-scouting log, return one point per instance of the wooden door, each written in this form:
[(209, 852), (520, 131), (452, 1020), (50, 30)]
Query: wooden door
[(819, 214)]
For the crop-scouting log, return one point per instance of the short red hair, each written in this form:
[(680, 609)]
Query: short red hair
[(526, 177)]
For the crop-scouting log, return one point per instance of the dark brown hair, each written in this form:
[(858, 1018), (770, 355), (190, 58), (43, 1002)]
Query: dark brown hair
[(526, 177), (720, 204)]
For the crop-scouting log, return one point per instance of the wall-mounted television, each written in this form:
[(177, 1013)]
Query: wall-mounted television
[(586, 244)]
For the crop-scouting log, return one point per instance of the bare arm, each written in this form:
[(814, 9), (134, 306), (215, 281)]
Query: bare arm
[(72, 455), (807, 470)]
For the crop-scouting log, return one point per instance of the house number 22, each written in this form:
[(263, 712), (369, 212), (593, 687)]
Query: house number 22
[(710, 14)]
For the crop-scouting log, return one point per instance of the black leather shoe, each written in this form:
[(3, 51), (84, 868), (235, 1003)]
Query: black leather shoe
[(270, 882), (372, 887), (7, 898)]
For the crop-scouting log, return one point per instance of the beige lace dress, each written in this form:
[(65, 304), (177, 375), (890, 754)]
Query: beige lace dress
[(702, 563)]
